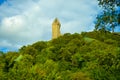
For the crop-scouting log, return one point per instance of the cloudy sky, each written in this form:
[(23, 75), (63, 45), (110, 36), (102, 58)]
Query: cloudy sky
[(24, 22)]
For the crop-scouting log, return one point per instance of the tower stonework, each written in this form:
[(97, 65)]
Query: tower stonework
[(56, 29)]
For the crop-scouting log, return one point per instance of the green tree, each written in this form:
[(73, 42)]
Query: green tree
[(109, 18)]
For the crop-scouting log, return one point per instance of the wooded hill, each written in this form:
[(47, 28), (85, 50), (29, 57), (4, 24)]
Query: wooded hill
[(87, 56)]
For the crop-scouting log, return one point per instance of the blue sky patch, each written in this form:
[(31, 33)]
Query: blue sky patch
[(4, 49), (2, 1)]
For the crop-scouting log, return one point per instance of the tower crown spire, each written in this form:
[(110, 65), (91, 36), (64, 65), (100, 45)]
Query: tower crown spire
[(56, 21)]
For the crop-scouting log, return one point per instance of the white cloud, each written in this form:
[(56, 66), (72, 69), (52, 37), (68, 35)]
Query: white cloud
[(27, 21), (12, 24)]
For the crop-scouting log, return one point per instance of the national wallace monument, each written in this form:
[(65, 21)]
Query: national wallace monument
[(56, 29)]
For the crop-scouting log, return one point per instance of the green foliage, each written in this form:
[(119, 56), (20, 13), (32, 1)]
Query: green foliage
[(79, 76), (1, 53), (87, 56), (109, 18)]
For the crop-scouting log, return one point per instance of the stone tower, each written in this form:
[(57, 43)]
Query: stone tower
[(56, 28)]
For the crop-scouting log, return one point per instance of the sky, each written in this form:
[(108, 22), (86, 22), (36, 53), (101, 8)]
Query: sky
[(23, 22)]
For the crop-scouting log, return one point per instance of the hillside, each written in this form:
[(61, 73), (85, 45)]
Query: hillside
[(87, 56)]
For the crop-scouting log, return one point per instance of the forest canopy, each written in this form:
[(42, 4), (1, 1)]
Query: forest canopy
[(87, 56)]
